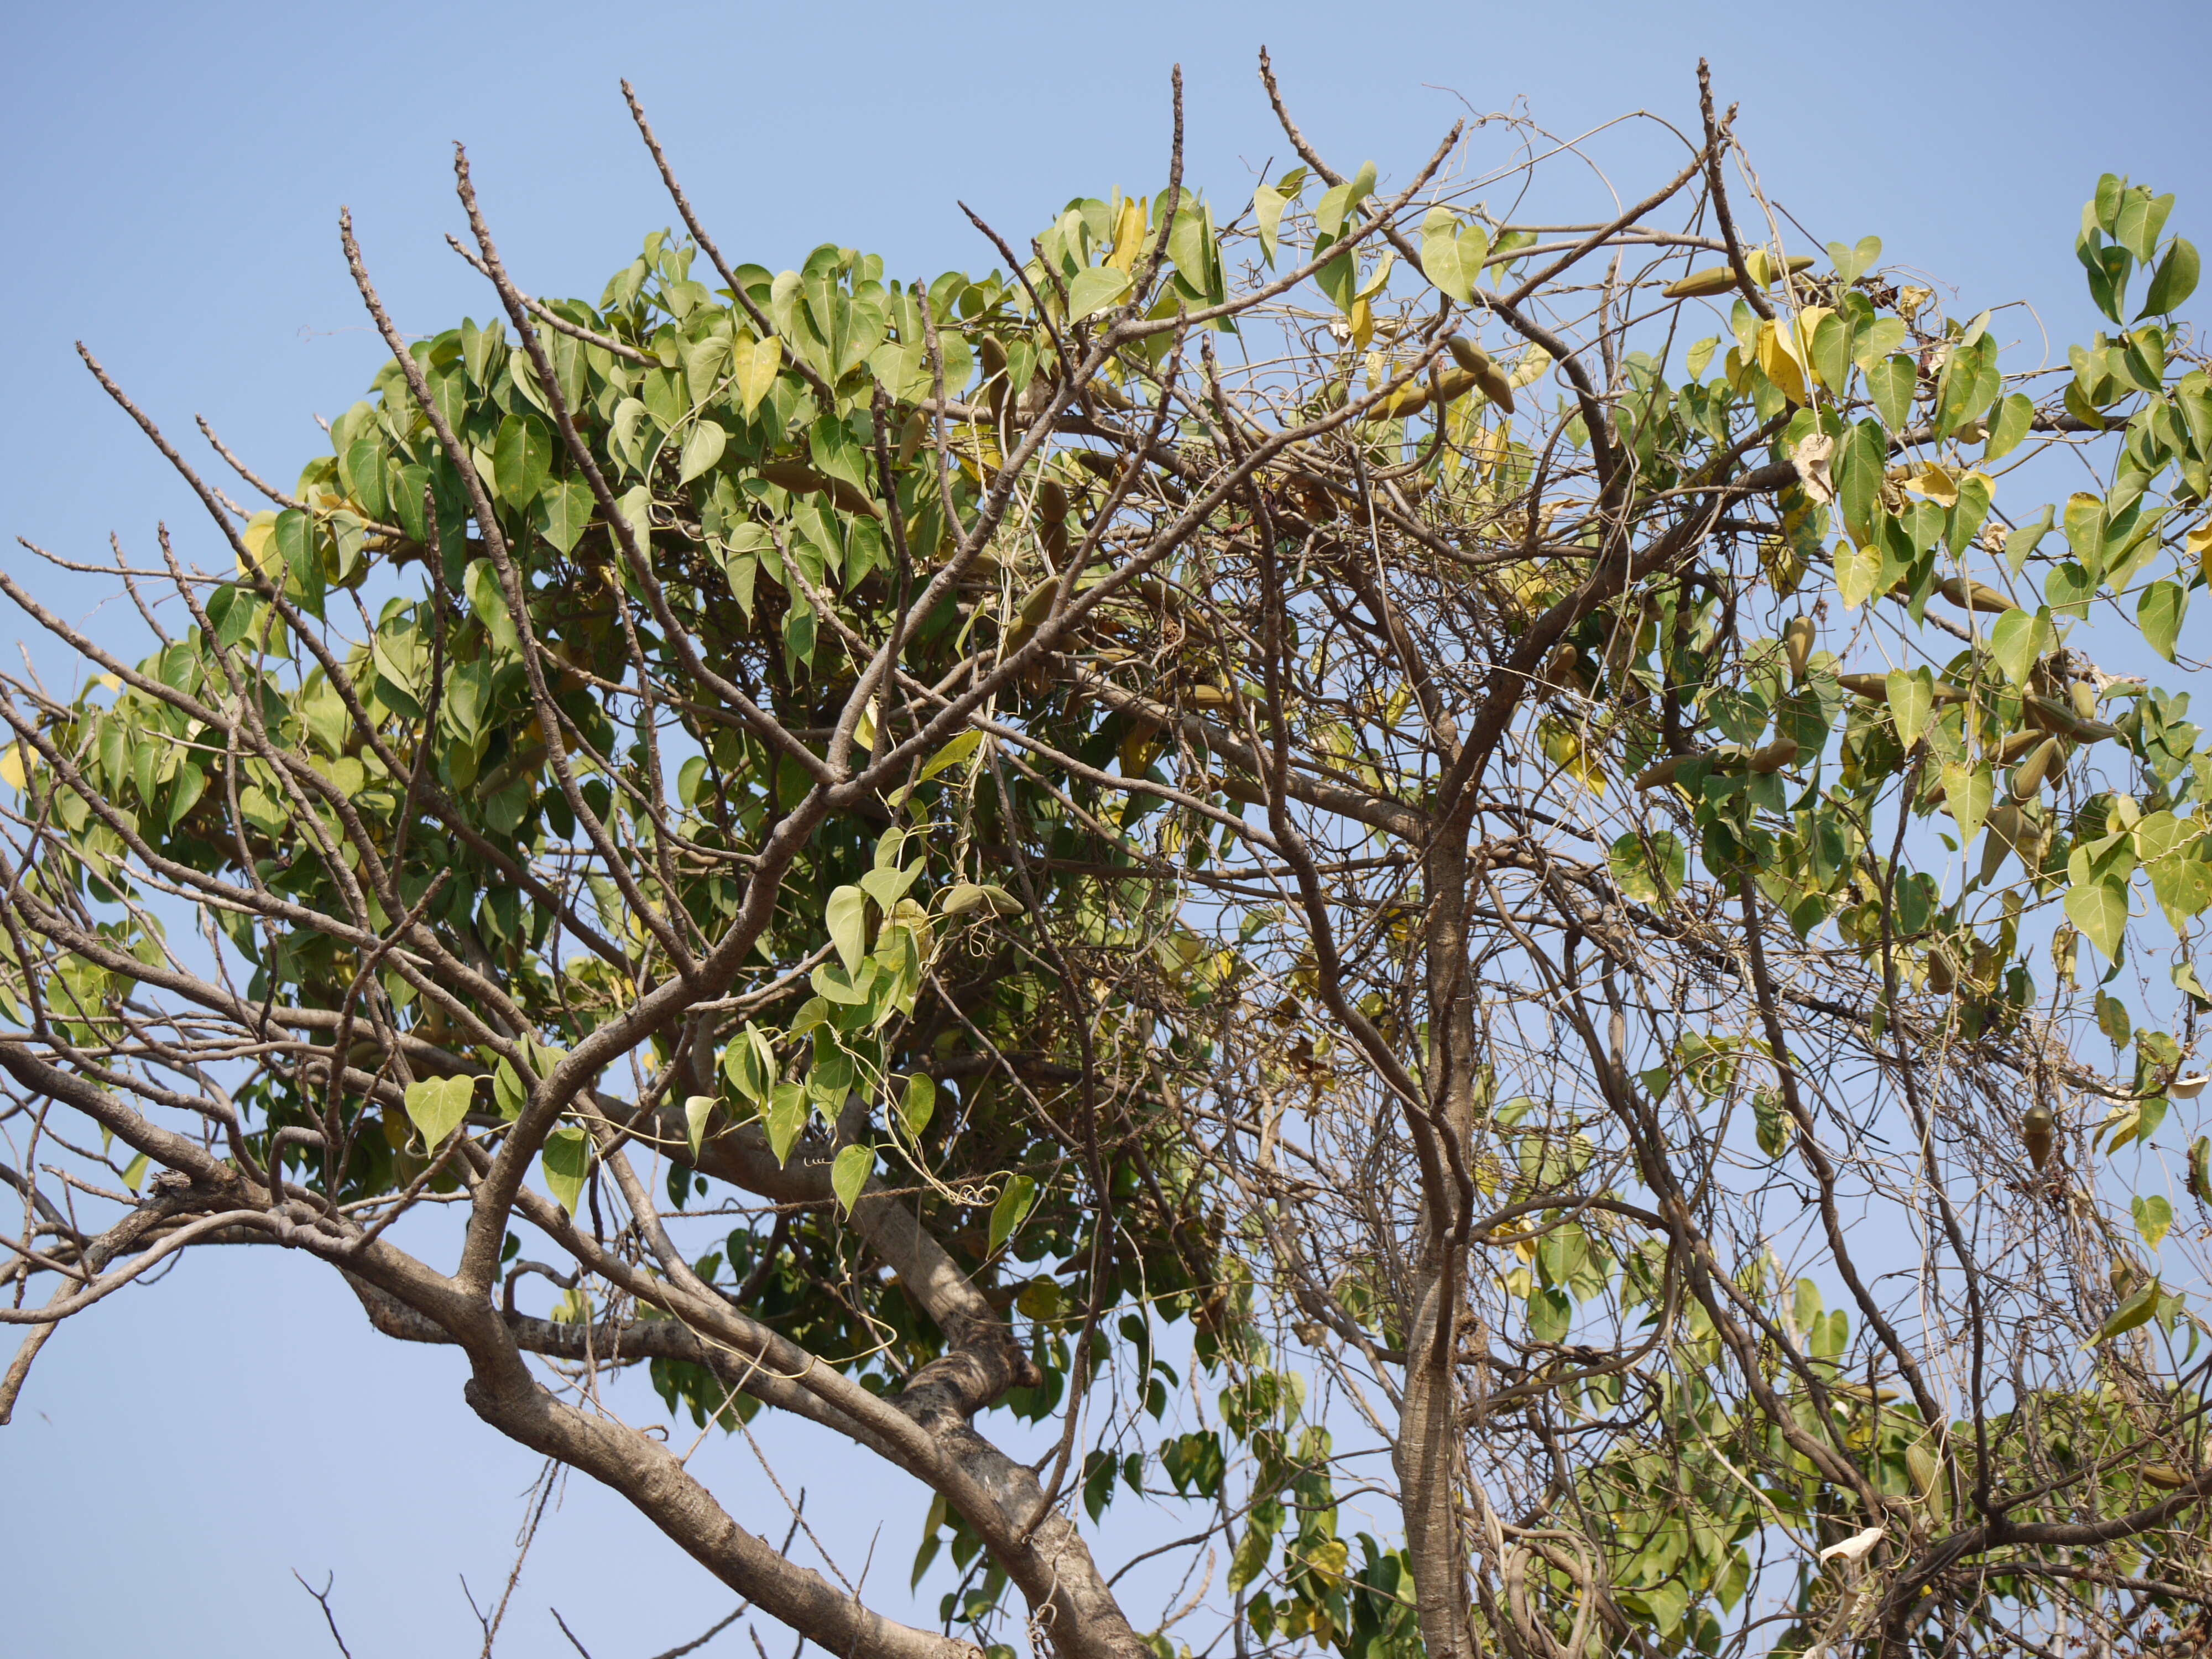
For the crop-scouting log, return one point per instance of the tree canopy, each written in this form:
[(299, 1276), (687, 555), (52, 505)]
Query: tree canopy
[(1501, 912)]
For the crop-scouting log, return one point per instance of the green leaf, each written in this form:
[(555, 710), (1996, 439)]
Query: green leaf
[(134, 1174), (845, 915), (1851, 263), (2022, 541), (1890, 384), (437, 1105), (489, 601), (1648, 875), (2182, 885), (846, 991), (2153, 1220), (1911, 702), (2175, 281), (1858, 570), (1334, 211), (507, 1092), (566, 1160), (702, 450), (698, 1109), (849, 1174), (2018, 641), (2013, 418), (1968, 793), (786, 1116), (1094, 289), (562, 513), (1440, 255), (521, 457), (1832, 352), (2159, 613), (1012, 1208), (917, 1103), (2100, 909), (2136, 1310), (1268, 205)]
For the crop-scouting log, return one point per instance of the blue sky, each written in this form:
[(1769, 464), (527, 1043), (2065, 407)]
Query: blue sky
[(174, 179)]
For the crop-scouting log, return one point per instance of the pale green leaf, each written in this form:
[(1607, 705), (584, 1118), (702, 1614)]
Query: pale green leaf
[(786, 1116), (1911, 702), (1890, 384), (1968, 793), (2153, 1220), (698, 1109), (1268, 205), (917, 1103), (849, 1174), (1853, 263), (436, 1106), (845, 915), (1094, 289), (566, 1160), (2100, 909), (2159, 614), (702, 450)]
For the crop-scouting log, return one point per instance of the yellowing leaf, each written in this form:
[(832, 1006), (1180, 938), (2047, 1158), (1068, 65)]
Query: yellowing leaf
[(754, 366), (1775, 362), (1939, 484), (1129, 233)]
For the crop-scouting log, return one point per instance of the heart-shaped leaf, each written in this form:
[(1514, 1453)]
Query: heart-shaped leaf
[(566, 1160), (436, 1106), (698, 1109), (849, 1174), (1094, 289)]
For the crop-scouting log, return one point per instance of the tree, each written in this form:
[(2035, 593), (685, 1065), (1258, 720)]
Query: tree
[(1321, 803)]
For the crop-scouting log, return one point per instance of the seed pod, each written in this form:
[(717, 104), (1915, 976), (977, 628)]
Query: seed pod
[(2038, 1128), (2186, 1088), (1203, 695), (2029, 779), (910, 437), (1973, 595), (2165, 1477), (1920, 1464), (1488, 377), (993, 356), (1876, 687), (2084, 698), (1942, 977), (1775, 755), (2019, 743), (1797, 641), (1701, 284)]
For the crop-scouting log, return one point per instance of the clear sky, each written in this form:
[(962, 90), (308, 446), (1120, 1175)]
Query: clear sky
[(173, 179)]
